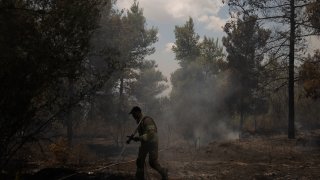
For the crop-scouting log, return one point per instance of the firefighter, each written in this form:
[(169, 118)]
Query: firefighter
[(148, 137)]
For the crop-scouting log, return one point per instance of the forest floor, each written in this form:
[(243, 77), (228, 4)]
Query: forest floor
[(249, 158), (254, 157)]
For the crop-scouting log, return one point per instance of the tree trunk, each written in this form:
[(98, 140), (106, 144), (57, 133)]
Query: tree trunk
[(70, 118), (241, 122), (120, 112), (70, 129), (291, 132), (120, 97), (241, 117), (255, 123)]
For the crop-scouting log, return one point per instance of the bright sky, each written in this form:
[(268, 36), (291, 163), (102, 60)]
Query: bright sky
[(209, 16)]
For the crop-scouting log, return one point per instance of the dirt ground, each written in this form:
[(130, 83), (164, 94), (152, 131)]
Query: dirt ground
[(274, 158), (254, 157)]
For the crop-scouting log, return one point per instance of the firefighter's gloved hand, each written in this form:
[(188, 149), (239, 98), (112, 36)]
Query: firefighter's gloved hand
[(129, 138), (136, 139)]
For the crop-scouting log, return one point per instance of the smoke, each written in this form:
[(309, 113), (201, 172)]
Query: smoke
[(198, 109), (226, 132)]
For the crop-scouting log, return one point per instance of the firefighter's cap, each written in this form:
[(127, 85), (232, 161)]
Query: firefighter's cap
[(135, 109)]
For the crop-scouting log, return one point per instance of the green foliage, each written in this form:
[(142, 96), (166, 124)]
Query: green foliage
[(290, 22), (136, 43), (122, 43), (41, 44), (313, 12), (244, 43), (212, 55), (186, 45), (275, 15), (136, 39), (69, 60), (149, 85), (310, 76)]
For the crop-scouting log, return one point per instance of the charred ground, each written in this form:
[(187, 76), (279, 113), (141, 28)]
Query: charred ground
[(254, 157)]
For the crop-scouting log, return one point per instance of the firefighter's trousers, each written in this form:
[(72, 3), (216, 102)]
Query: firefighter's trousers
[(151, 149)]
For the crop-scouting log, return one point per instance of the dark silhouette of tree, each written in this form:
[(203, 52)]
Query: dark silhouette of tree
[(42, 44), (186, 45), (290, 22), (149, 85), (245, 43), (310, 76)]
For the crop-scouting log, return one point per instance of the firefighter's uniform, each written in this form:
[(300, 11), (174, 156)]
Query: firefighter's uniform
[(149, 145)]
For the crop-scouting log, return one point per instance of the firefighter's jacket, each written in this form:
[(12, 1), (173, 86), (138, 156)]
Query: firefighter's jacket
[(148, 130)]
